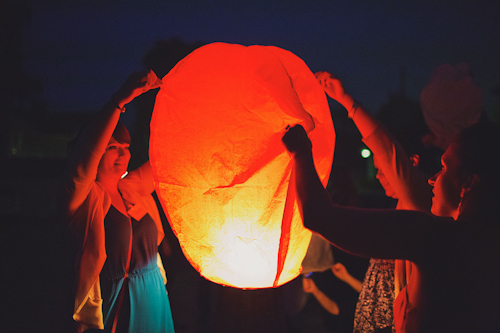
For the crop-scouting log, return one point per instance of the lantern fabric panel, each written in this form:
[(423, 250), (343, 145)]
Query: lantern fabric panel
[(221, 171)]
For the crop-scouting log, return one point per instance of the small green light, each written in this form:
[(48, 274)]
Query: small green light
[(365, 153)]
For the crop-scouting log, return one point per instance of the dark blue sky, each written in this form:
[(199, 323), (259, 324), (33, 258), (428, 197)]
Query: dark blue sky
[(84, 51)]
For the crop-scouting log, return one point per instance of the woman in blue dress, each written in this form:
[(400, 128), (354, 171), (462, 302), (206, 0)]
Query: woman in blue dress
[(114, 225)]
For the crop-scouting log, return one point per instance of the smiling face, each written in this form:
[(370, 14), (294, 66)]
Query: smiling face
[(447, 184), (114, 162)]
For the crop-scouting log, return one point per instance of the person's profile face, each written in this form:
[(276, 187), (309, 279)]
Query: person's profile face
[(447, 185), (114, 161), (389, 191)]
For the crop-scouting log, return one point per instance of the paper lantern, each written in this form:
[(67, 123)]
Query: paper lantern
[(222, 173)]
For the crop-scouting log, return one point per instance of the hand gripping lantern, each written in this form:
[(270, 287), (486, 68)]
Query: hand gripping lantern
[(222, 174)]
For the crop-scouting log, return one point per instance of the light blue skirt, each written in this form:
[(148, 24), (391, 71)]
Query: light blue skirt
[(145, 306)]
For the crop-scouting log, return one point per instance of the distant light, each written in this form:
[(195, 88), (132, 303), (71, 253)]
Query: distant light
[(365, 153), (125, 174)]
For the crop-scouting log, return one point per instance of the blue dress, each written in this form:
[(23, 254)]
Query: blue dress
[(139, 302)]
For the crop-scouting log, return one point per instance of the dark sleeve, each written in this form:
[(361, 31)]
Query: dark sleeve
[(384, 234)]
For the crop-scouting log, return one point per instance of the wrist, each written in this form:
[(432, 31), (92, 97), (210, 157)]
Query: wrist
[(118, 103), (304, 153), (352, 109), (345, 100)]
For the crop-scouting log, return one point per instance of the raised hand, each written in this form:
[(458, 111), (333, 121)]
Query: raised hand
[(340, 271), (308, 285), (334, 88), (136, 84)]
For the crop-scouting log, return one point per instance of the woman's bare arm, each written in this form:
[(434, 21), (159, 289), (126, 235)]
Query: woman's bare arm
[(90, 146)]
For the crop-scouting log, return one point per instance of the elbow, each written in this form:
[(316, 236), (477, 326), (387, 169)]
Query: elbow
[(315, 218), (310, 219), (334, 309)]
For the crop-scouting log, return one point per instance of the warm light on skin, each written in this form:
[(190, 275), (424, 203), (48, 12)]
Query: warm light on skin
[(447, 186), (389, 191), (114, 162)]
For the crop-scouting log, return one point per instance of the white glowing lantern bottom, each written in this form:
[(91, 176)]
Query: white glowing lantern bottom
[(222, 174)]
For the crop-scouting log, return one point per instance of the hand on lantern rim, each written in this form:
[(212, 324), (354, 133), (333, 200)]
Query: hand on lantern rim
[(136, 84), (334, 88), (297, 141)]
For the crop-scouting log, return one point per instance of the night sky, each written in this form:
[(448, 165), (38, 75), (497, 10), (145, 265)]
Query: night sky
[(83, 51)]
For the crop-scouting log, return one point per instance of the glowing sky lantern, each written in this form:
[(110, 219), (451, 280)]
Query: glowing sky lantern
[(222, 173)]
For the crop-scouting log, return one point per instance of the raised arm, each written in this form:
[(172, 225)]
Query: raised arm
[(408, 182), (384, 234), (328, 304), (343, 274), (363, 120), (91, 144)]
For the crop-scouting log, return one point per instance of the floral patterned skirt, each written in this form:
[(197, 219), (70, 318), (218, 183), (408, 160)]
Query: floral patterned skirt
[(375, 302)]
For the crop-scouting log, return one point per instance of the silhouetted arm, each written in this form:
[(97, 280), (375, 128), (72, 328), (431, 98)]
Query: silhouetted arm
[(371, 233)]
